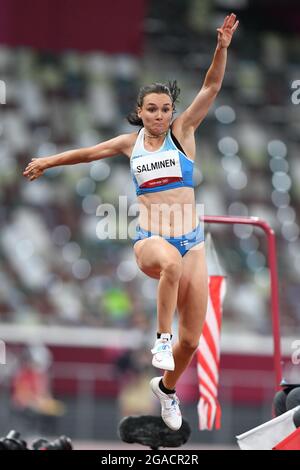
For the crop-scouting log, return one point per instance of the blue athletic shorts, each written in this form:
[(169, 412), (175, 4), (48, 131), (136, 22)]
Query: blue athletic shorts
[(183, 243)]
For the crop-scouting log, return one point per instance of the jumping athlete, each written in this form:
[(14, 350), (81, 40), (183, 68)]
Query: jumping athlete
[(169, 243)]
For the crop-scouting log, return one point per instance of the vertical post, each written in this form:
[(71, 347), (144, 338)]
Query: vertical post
[(272, 261)]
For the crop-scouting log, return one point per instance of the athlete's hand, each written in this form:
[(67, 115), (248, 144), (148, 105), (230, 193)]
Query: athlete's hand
[(35, 168), (225, 32)]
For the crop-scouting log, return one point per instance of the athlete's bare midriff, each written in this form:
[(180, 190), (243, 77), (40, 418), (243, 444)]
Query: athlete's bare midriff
[(170, 213)]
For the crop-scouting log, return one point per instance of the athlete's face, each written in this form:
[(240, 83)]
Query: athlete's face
[(156, 113)]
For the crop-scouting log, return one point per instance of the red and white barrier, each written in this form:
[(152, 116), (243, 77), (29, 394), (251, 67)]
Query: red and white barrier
[(208, 354), (272, 434)]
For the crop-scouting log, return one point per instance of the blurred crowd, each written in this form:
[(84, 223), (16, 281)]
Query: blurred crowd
[(55, 267)]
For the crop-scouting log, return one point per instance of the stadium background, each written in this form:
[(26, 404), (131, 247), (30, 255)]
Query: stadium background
[(77, 305)]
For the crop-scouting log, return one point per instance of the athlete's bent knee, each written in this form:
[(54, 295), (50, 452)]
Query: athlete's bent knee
[(172, 270)]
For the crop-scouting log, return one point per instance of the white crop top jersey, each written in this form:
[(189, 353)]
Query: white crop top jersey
[(165, 168)]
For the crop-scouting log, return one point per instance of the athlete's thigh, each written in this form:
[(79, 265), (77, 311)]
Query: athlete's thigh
[(193, 292), (153, 253)]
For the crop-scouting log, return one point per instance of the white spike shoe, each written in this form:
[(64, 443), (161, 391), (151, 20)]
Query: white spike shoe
[(162, 353), (170, 411)]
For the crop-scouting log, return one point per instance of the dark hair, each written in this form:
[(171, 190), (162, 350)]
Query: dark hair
[(170, 88)]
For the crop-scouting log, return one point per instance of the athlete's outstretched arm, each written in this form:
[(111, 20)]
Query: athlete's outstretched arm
[(196, 112), (109, 148)]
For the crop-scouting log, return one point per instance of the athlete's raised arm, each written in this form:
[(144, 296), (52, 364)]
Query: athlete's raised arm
[(196, 112)]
